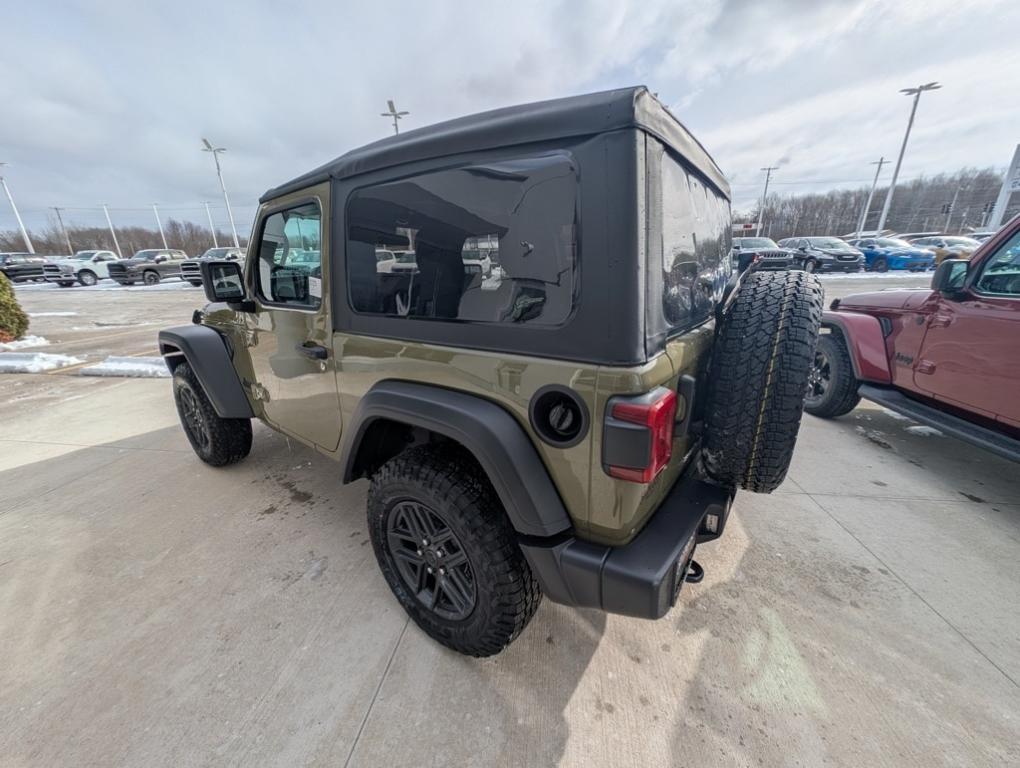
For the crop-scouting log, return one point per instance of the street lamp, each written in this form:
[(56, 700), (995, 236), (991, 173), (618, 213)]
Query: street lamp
[(764, 195), (394, 114), (21, 224), (916, 93), (219, 172)]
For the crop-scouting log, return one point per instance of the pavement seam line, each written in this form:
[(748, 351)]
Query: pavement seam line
[(378, 688), (914, 592)]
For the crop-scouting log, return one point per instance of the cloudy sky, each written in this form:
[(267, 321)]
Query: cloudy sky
[(107, 101)]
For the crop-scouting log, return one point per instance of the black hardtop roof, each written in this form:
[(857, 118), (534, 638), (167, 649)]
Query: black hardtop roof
[(593, 113)]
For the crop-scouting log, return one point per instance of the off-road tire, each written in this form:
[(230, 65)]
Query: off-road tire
[(150, 277), (216, 441), (764, 350), (840, 395), (88, 277), (445, 481)]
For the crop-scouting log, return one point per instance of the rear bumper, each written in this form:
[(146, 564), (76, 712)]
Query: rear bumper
[(642, 578)]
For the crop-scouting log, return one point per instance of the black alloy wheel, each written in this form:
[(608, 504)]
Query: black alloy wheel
[(431, 560), (819, 378), (194, 420)]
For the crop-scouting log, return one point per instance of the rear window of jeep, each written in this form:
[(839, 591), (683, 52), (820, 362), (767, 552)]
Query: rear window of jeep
[(493, 243)]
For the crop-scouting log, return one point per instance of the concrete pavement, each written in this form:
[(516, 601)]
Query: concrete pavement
[(155, 611)]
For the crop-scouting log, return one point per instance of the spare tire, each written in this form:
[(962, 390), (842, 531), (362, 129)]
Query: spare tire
[(764, 351)]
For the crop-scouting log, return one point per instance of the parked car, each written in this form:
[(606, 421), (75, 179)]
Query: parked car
[(911, 236), (148, 266), (22, 267), (760, 253), (981, 236), (85, 267), (947, 247), (947, 356), (191, 270), (562, 434), (884, 253), (824, 254)]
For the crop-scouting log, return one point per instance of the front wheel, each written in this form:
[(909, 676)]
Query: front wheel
[(809, 265), (446, 548), (87, 277), (880, 265), (832, 386), (66, 283), (150, 278), (196, 283), (216, 440)]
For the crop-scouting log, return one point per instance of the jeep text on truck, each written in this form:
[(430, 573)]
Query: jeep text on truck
[(572, 423), (947, 356)]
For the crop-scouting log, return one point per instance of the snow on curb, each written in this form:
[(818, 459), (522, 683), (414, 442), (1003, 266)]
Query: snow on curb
[(25, 343), (34, 362), (924, 431), (129, 367), (52, 314)]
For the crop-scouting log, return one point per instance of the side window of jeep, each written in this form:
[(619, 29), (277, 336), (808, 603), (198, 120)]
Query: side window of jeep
[(695, 244), (493, 243), (289, 270)]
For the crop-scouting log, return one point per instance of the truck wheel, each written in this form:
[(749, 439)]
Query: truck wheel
[(447, 550), (150, 277), (832, 387), (87, 277), (66, 283), (196, 283), (216, 440), (763, 354)]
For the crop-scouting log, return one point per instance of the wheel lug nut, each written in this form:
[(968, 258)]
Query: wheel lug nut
[(430, 569), (419, 553)]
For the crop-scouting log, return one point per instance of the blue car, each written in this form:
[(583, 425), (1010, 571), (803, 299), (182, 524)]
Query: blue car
[(884, 253)]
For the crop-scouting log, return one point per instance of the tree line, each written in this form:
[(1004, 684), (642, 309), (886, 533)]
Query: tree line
[(187, 236), (919, 205)]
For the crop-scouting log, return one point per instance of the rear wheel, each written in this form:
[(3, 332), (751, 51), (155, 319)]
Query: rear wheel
[(832, 386), (763, 354), (66, 283), (150, 277), (216, 440), (447, 550), (87, 277)]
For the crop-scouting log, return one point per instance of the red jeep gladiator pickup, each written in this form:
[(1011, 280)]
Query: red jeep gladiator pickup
[(948, 356)]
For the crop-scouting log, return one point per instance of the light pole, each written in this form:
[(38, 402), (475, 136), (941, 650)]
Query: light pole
[(394, 114), (159, 224), (916, 93), (21, 224), (212, 226), (867, 206), (112, 233), (761, 210), (63, 230), (219, 172)]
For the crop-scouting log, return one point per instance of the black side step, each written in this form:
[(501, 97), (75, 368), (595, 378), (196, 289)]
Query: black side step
[(990, 440)]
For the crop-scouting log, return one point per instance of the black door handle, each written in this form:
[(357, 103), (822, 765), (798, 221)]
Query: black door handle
[(313, 351)]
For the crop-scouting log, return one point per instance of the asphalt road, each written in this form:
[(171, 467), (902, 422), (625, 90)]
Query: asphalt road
[(155, 611)]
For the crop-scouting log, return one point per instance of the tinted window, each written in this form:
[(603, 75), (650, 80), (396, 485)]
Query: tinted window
[(487, 243), (1001, 272), (290, 261), (695, 243)]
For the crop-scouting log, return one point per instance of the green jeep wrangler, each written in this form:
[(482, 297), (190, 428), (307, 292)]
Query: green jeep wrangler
[(522, 327)]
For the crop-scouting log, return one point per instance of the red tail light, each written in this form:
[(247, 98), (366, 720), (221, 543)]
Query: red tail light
[(656, 413)]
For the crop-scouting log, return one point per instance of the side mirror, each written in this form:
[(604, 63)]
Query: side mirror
[(736, 247), (949, 278), (224, 282), (802, 248)]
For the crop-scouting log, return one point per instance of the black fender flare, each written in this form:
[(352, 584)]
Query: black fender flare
[(489, 432), (207, 353)]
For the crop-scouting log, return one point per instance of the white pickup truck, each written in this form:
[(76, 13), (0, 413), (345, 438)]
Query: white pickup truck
[(85, 267)]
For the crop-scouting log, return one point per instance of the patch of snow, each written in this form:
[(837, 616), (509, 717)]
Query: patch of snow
[(34, 362), (129, 367), (52, 314), (924, 431), (25, 343), (897, 416), (897, 275)]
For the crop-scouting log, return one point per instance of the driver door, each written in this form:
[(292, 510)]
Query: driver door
[(971, 351), (291, 329)]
